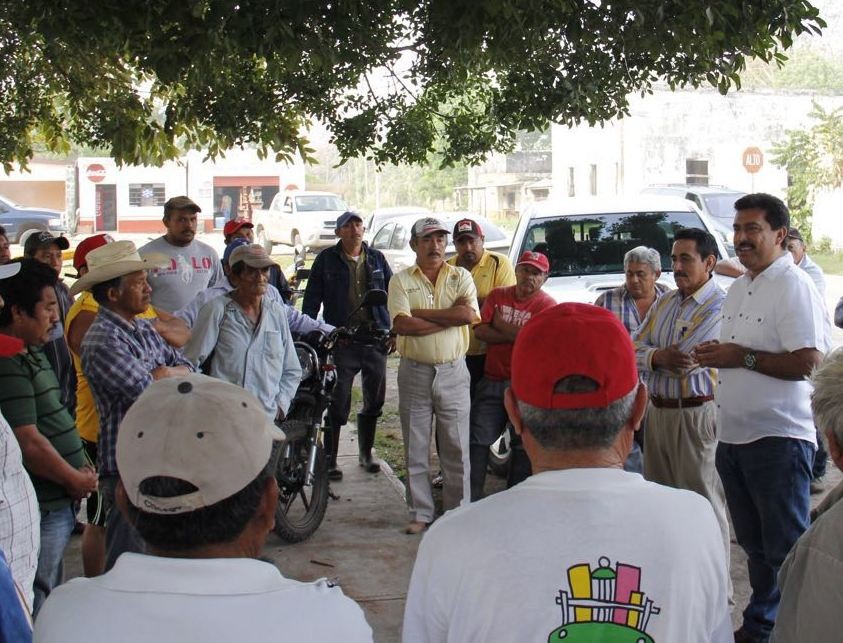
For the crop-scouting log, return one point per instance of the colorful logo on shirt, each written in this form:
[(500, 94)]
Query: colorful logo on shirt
[(603, 605)]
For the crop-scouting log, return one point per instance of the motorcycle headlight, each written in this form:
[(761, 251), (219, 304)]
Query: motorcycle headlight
[(307, 360)]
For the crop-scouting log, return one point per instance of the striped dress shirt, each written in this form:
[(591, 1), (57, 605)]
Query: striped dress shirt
[(620, 302), (685, 322)]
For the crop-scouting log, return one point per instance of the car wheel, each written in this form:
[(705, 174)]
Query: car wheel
[(23, 236), (262, 239)]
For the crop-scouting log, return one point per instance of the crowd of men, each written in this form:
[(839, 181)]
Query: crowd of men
[(640, 424)]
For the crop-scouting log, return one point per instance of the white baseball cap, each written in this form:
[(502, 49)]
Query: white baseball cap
[(199, 429)]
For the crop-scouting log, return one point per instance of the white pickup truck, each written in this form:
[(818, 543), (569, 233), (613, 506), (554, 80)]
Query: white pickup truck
[(299, 218)]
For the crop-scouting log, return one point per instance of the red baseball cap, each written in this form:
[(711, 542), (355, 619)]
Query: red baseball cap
[(80, 255), (231, 227), (467, 226), (535, 259), (573, 339)]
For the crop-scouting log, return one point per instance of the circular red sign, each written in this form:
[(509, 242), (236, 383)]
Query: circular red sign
[(95, 173), (753, 159)]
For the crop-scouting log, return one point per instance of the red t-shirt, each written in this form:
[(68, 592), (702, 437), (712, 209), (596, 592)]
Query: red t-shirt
[(499, 356)]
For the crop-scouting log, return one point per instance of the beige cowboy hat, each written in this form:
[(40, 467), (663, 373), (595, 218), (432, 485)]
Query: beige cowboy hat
[(115, 260)]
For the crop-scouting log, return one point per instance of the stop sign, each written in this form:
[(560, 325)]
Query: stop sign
[(752, 159), (95, 173)]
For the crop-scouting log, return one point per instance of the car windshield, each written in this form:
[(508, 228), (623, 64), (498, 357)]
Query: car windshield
[(319, 202), (721, 206), (596, 243)]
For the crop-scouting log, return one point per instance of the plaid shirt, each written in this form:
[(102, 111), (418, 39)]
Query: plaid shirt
[(619, 301), (19, 516), (118, 358)]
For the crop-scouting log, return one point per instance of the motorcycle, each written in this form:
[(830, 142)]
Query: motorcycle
[(301, 471)]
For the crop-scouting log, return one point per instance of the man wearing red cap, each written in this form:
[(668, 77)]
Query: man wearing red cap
[(582, 550), (503, 314), (431, 304), (489, 270)]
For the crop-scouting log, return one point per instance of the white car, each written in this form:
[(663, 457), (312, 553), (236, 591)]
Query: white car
[(393, 237), (299, 218), (586, 239)]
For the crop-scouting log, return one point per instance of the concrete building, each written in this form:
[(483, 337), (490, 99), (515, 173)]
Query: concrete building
[(97, 195)]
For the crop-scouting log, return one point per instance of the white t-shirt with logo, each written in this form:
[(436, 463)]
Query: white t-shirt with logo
[(192, 269), (580, 555)]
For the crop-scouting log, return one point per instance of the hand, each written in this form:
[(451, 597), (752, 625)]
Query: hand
[(673, 359), (84, 482), (162, 371), (500, 324), (391, 345), (717, 355)]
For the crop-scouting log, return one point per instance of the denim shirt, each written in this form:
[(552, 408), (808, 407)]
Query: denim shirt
[(261, 358), (329, 283)]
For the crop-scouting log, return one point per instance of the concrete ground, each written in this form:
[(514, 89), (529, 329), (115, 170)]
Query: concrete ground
[(361, 543)]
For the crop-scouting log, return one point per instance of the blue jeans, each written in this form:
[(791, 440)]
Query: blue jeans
[(767, 485), (56, 529)]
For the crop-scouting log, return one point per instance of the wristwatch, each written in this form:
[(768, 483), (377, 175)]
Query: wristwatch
[(750, 360)]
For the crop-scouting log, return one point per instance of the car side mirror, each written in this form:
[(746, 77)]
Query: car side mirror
[(302, 274)]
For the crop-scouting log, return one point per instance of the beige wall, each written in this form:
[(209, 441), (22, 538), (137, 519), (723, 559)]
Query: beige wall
[(35, 194)]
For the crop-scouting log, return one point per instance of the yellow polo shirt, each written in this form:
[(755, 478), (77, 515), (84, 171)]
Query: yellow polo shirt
[(87, 418), (494, 270), (411, 289)]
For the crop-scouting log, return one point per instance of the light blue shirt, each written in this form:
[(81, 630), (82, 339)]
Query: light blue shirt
[(259, 357), (299, 323)]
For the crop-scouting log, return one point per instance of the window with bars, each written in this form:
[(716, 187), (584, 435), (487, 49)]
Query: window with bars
[(142, 195)]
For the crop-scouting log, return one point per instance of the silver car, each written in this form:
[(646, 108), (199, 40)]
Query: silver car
[(586, 239), (393, 237)]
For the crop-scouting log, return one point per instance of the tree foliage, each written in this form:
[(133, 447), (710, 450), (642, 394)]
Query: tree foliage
[(392, 79), (813, 159)]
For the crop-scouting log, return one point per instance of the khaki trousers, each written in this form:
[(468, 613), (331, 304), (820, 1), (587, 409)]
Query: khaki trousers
[(425, 392), (679, 449)]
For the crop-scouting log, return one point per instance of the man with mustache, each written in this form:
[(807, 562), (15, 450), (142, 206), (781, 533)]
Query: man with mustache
[(681, 438), (193, 265), (431, 304), (339, 279), (489, 270), (775, 331), (504, 313)]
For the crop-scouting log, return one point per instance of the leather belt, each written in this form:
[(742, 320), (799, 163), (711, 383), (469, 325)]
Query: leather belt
[(684, 403)]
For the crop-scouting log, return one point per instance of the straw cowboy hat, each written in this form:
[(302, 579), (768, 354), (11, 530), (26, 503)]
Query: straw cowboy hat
[(115, 260)]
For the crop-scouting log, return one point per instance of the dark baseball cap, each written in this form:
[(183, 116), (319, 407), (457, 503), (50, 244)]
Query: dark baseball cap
[(41, 239), (345, 217)]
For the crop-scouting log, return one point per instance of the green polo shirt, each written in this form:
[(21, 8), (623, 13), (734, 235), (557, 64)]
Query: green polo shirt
[(30, 394)]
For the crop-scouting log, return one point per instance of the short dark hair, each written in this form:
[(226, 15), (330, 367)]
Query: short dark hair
[(25, 288), (219, 523), (706, 243), (3, 232), (775, 211), (100, 291)]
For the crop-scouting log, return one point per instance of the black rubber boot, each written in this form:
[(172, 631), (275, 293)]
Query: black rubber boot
[(332, 443), (365, 441)]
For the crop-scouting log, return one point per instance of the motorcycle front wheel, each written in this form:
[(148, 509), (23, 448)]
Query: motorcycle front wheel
[(301, 507)]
